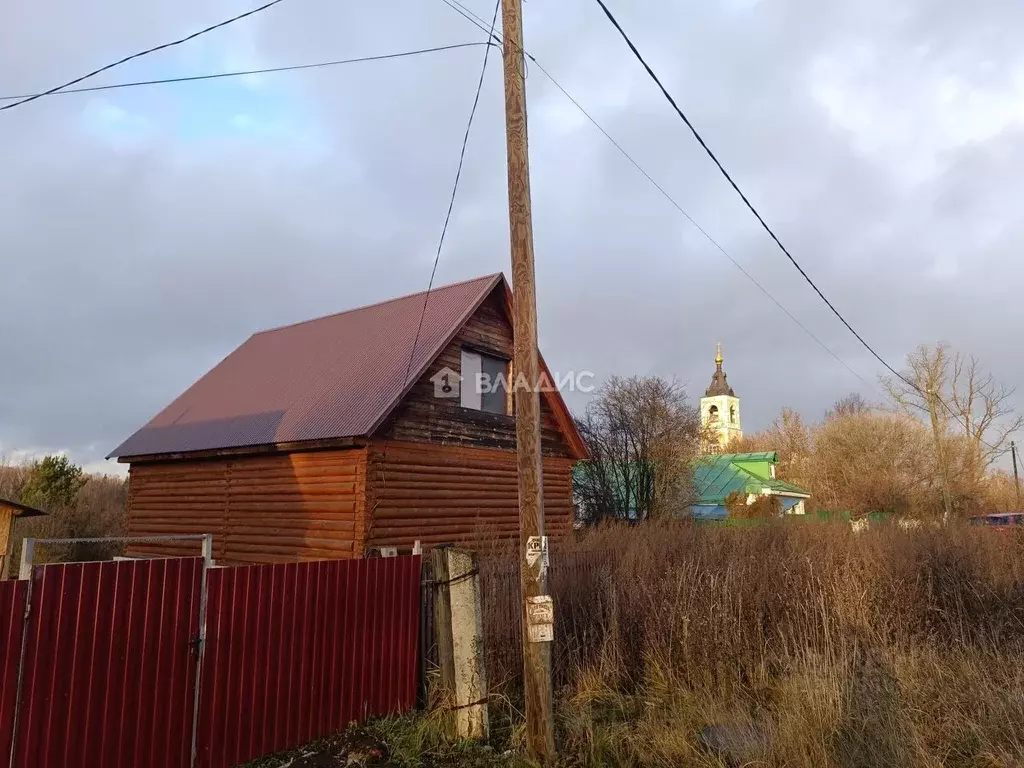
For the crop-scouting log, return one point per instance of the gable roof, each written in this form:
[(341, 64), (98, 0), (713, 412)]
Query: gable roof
[(332, 377), (715, 477)]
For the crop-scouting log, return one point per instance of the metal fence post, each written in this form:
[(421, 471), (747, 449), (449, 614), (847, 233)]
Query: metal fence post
[(200, 644)]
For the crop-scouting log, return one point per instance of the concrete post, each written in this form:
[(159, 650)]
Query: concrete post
[(471, 721), (28, 551)]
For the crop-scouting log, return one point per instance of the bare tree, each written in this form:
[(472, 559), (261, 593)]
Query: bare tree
[(919, 392), (643, 436), (873, 462), (970, 415), (985, 411), (791, 438), (13, 477), (851, 405)]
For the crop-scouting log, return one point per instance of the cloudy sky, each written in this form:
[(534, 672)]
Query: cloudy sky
[(145, 232)]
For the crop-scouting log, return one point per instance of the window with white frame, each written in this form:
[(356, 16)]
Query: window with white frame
[(484, 382)]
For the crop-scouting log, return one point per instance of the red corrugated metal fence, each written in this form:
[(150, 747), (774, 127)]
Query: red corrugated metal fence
[(109, 672), (297, 651), (293, 652), (12, 625)]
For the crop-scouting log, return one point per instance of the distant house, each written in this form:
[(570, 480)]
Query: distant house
[(10, 512), (321, 439), (716, 477), (611, 487)]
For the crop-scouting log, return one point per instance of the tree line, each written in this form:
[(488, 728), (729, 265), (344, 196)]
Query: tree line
[(78, 505), (930, 448)]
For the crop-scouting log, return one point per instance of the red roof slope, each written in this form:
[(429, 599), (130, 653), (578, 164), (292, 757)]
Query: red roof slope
[(336, 376)]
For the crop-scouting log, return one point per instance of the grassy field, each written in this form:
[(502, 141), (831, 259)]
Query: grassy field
[(782, 645), (810, 645)]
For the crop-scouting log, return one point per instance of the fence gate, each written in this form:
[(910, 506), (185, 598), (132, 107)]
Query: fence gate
[(12, 625), (100, 660), (109, 657)]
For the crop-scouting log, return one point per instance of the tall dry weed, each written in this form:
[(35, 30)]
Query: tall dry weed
[(891, 647)]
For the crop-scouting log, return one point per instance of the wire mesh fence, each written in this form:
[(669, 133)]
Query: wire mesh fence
[(574, 581), (62, 551), (582, 615)]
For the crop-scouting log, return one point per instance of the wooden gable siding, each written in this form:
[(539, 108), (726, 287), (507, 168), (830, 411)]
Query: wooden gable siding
[(441, 494), (298, 506), (6, 529), (423, 418)]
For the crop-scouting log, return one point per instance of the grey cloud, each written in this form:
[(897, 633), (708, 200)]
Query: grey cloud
[(129, 268)]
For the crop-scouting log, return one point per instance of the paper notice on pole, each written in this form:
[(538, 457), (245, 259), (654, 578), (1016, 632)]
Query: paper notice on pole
[(540, 619), (537, 551), (534, 549)]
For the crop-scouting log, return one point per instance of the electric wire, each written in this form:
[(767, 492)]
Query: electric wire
[(240, 73), (451, 200), (473, 18), (140, 54), (463, 11), (768, 229), (440, 242)]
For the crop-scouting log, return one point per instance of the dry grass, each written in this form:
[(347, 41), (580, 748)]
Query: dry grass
[(893, 647)]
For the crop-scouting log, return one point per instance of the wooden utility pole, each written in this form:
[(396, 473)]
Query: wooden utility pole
[(1016, 477), (526, 367)]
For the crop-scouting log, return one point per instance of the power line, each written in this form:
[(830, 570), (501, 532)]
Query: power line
[(764, 224), (268, 70), (455, 189), (142, 53), (477, 21), (735, 186), (471, 17), (444, 231), (698, 227)]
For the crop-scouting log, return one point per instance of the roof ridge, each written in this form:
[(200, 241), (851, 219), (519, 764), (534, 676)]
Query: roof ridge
[(481, 278), (762, 454)]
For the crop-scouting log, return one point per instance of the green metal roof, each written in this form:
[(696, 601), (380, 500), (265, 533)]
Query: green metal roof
[(717, 476), (784, 488), (771, 456)]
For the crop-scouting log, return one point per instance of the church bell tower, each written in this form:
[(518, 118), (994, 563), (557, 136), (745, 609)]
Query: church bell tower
[(720, 410)]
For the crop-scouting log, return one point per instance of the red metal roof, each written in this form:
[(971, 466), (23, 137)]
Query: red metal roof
[(336, 376)]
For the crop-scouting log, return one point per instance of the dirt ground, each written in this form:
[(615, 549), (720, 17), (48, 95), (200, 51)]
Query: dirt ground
[(382, 745)]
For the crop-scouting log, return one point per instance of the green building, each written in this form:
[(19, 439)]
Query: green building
[(717, 476)]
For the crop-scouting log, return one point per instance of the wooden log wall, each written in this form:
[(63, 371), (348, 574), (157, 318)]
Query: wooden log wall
[(469, 496), (421, 417), (260, 509), (183, 497)]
